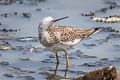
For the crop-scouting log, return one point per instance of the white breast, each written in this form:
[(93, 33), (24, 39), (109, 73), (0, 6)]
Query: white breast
[(45, 36)]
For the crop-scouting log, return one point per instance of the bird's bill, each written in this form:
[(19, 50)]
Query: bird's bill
[(59, 19)]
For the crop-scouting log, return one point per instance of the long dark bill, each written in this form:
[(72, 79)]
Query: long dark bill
[(60, 19)]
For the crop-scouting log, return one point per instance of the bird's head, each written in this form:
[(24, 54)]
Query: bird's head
[(48, 21)]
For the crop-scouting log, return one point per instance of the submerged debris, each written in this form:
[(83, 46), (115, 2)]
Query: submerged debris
[(89, 45), (8, 75), (27, 71), (79, 54), (27, 77), (109, 19), (77, 72), (108, 29), (101, 41), (47, 61), (114, 35), (18, 48), (38, 9)]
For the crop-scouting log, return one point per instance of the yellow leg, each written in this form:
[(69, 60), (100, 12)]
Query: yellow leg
[(57, 60), (67, 59)]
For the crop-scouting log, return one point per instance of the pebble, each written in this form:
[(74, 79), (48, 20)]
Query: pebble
[(27, 15), (8, 75), (88, 14)]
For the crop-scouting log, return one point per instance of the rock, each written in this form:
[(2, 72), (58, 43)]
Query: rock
[(27, 71), (105, 73), (5, 15), (3, 63), (14, 69), (24, 58), (27, 15), (4, 2), (23, 39), (8, 30), (16, 12), (7, 34), (88, 14), (109, 19), (5, 48), (8, 75), (27, 77), (4, 43)]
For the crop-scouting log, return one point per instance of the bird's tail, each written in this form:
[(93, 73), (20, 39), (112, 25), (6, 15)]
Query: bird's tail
[(96, 30)]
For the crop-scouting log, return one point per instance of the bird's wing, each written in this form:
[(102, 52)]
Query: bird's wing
[(70, 35)]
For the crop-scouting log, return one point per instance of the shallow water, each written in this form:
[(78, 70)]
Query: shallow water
[(42, 61)]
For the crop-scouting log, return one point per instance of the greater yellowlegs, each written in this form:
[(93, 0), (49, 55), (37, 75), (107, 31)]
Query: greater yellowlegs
[(60, 38)]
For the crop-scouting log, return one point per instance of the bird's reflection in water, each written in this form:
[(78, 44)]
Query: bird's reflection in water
[(55, 76)]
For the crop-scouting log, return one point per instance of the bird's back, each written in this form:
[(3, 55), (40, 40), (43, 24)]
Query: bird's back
[(68, 35)]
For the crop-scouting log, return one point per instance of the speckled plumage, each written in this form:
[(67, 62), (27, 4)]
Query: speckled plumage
[(60, 38), (59, 34)]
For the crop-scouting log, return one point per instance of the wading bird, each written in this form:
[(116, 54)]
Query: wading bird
[(60, 38)]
